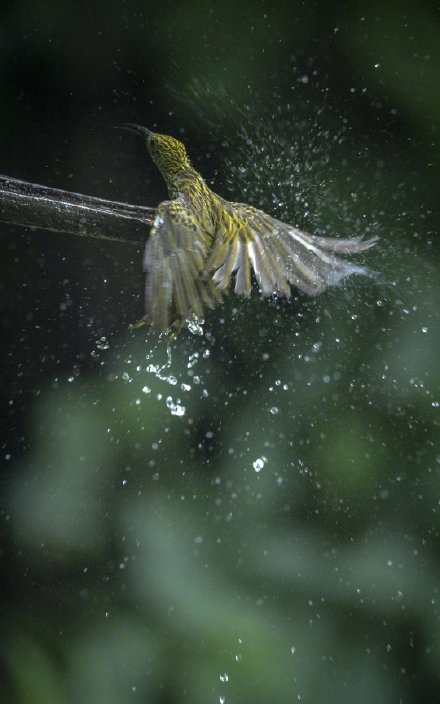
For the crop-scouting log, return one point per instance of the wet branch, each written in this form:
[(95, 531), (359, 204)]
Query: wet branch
[(34, 206)]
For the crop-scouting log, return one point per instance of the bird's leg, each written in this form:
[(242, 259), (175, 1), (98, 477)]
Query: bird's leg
[(172, 332), (175, 329), (139, 324)]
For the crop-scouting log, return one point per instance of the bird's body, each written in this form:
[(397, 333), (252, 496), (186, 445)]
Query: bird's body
[(199, 242)]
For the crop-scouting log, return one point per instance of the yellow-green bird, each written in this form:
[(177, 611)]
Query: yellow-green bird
[(200, 244)]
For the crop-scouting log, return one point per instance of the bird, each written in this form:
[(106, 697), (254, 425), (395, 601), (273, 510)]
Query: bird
[(201, 244)]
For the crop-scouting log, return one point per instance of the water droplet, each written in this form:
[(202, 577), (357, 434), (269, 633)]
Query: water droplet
[(192, 360), (175, 408), (102, 343), (224, 677), (195, 325), (259, 463), (274, 410)]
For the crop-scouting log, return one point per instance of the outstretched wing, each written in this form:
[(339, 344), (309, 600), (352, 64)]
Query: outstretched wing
[(174, 263), (281, 255)]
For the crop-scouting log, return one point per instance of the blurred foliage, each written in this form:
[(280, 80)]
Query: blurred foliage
[(252, 516)]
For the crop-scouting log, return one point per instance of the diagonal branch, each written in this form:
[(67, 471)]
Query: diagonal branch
[(34, 206)]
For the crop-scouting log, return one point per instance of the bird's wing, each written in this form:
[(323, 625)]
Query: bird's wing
[(281, 255), (174, 263)]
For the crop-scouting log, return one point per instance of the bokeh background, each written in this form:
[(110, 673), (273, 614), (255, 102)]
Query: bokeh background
[(253, 515)]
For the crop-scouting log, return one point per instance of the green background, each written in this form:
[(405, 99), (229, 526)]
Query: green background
[(254, 518)]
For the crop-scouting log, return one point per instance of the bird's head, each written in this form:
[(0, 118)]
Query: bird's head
[(168, 153)]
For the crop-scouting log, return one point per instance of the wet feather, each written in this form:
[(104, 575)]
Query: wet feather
[(200, 243)]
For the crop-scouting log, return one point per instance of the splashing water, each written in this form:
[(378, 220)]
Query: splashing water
[(158, 369), (195, 325), (301, 162), (259, 463), (151, 374), (103, 343), (175, 408)]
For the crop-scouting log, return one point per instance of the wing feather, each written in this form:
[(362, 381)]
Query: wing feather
[(174, 262), (222, 276), (281, 255), (243, 272), (187, 267)]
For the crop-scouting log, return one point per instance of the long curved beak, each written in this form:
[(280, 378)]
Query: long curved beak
[(144, 131)]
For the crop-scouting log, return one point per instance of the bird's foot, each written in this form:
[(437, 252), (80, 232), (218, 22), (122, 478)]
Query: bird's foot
[(139, 324), (174, 330)]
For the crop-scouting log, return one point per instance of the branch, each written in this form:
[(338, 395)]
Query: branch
[(34, 206)]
